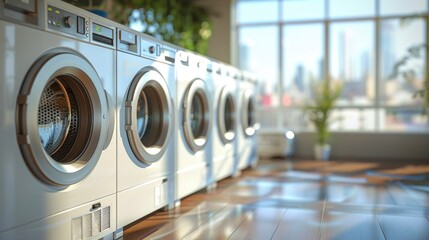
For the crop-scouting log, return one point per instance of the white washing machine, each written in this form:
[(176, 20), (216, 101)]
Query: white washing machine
[(247, 125), (224, 125), (195, 115), (146, 118), (57, 130)]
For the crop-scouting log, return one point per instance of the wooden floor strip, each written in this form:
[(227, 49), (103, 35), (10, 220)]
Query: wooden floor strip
[(261, 224), (350, 226), (402, 227), (188, 222), (317, 200), (223, 224), (299, 224), (358, 194)]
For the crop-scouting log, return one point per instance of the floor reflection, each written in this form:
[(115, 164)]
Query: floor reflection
[(303, 200)]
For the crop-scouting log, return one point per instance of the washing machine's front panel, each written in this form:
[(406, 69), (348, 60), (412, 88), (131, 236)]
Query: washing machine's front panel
[(56, 123), (246, 131), (195, 122), (146, 120), (224, 136), (146, 143)]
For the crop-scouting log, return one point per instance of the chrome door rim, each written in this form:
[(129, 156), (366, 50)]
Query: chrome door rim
[(86, 149), (247, 115), (197, 89), (226, 100), (152, 85)]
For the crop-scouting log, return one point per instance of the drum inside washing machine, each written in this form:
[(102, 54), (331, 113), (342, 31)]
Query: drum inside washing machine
[(62, 118)]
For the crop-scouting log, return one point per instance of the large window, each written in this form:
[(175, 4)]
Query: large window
[(375, 48)]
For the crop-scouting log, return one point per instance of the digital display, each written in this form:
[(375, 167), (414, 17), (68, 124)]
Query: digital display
[(103, 31), (102, 34), (98, 29)]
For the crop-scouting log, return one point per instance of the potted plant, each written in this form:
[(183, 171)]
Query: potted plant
[(319, 109)]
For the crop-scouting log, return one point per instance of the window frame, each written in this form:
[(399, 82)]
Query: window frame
[(327, 21)]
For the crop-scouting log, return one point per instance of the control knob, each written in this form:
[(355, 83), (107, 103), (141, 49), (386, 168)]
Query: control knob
[(68, 21), (151, 49)]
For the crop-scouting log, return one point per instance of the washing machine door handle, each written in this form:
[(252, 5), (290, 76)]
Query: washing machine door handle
[(110, 119)]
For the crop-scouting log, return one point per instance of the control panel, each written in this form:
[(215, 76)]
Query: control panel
[(203, 65), (150, 49), (216, 68), (102, 34), (26, 12), (127, 41), (169, 54), (183, 58), (67, 22)]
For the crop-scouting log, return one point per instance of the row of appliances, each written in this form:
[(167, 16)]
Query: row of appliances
[(101, 125)]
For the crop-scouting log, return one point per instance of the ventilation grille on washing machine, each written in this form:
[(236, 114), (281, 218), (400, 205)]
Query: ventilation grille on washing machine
[(90, 224)]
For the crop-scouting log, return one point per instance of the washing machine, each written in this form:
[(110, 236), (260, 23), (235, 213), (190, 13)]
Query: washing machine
[(247, 125), (224, 125), (146, 117), (57, 122), (195, 116)]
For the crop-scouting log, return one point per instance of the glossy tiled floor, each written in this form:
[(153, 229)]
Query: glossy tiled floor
[(302, 200)]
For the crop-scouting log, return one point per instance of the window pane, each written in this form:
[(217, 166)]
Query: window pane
[(268, 117), (303, 9), (303, 61), (351, 8), (396, 40), (259, 53), (403, 120), (257, 11), (352, 119), (392, 7), (293, 118), (352, 61)]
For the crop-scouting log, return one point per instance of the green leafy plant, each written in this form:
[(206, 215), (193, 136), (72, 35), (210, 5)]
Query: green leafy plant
[(181, 22), (401, 69), (324, 98)]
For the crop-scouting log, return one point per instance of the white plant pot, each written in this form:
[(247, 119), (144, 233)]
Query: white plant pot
[(322, 152)]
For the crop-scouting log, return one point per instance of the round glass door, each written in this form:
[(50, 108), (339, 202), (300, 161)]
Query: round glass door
[(62, 118), (248, 115), (226, 115), (150, 109), (196, 115)]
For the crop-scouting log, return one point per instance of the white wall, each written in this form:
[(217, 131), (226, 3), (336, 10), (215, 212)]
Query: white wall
[(220, 42), (393, 147)]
